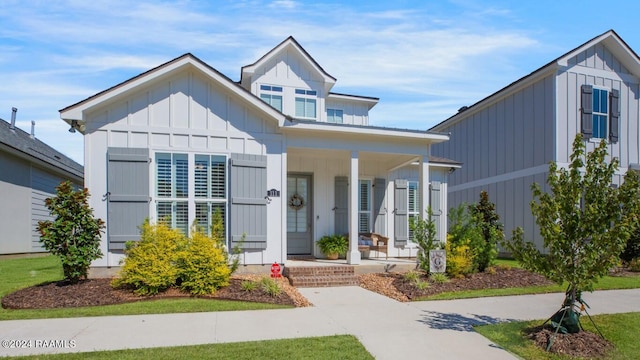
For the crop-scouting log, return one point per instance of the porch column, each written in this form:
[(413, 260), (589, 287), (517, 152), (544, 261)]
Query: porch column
[(353, 255), (424, 187)]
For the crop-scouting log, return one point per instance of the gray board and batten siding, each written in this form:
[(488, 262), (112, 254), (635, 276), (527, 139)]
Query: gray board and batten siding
[(507, 140), (30, 170)]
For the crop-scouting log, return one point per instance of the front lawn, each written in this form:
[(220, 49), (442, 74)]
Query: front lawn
[(329, 347), (620, 329)]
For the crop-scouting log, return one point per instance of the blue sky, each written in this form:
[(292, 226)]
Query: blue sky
[(423, 59)]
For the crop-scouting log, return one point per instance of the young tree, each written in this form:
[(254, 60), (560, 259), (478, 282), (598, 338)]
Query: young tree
[(585, 222), (484, 212), (74, 235), (424, 234)]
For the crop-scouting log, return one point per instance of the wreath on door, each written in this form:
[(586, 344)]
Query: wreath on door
[(296, 202)]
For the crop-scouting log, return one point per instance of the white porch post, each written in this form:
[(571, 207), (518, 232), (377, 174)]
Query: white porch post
[(425, 194), (353, 255)]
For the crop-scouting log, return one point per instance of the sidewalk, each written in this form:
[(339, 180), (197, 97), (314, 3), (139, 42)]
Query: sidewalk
[(387, 328)]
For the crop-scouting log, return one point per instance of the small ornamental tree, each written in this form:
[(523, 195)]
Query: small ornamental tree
[(484, 213), (424, 234), (585, 222), (74, 235)]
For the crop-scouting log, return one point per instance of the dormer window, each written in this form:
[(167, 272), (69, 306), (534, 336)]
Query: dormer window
[(334, 116), (272, 95), (306, 103)]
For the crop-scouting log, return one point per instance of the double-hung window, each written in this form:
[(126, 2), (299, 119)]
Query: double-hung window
[(600, 113), (306, 103), (412, 205), (210, 190), (334, 116), (272, 95), (172, 190), (180, 203), (364, 206)]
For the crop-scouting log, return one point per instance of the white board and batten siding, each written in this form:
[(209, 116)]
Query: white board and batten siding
[(184, 113)]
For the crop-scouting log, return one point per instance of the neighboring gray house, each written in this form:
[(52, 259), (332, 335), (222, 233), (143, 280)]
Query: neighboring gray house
[(29, 172), (507, 139)]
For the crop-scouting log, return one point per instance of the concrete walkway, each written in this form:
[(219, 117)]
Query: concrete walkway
[(387, 328)]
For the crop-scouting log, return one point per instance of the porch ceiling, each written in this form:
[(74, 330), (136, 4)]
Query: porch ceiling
[(386, 160)]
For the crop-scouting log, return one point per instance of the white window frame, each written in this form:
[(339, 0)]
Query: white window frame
[(191, 199), (307, 96), (270, 92), (368, 211), (412, 186), (331, 116), (600, 116)]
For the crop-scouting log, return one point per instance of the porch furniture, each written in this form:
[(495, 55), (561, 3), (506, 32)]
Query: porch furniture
[(373, 242)]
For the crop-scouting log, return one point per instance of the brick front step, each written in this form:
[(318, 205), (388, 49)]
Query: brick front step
[(321, 276)]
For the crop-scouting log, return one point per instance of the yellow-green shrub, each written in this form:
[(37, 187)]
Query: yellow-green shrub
[(459, 259), (150, 264), (202, 265)]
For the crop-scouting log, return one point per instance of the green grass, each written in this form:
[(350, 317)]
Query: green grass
[(329, 347), (606, 283), (24, 272), (620, 329)]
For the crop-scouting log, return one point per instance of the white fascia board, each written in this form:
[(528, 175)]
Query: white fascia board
[(445, 165), (76, 112), (367, 131), (371, 102), (614, 44)]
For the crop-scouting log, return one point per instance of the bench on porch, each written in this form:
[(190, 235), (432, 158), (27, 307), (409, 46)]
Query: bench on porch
[(373, 242)]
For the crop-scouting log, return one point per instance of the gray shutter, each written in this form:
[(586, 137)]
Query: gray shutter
[(587, 111), (379, 211), (248, 204), (401, 213), (341, 205), (614, 116), (128, 194), (434, 203)]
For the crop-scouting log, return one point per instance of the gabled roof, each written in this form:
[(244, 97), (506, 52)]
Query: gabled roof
[(75, 112), (610, 39), (20, 143), (369, 100), (290, 43)]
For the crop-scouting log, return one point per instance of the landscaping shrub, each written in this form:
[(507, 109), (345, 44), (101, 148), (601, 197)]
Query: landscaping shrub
[(202, 265), (424, 234), (486, 218), (411, 275), (270, 286), (150, 263), (248, 285), (421, 284), (439, 278), (459, 259), (74, 235), (631, 251), (165, 257)]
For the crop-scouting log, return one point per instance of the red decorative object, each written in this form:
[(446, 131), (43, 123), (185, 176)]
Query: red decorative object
[(275, 270)]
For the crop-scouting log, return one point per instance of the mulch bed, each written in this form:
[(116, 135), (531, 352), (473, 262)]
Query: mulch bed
[(98, 292), (500, 279), (584, 344)]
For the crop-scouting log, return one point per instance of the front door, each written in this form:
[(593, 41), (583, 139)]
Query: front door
[(299, 216)]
